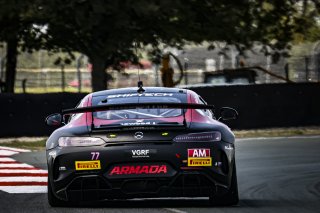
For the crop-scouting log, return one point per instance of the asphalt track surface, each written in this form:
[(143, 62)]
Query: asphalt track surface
[(274, 175)]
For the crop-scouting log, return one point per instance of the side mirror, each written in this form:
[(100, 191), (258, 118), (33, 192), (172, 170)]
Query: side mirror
[(228, 113), (54, 120)]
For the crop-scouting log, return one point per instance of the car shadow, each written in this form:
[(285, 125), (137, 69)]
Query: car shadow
[(152, 203), (175, 203)]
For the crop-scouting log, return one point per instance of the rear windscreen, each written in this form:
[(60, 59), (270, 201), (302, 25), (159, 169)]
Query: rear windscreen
[(139, 98)]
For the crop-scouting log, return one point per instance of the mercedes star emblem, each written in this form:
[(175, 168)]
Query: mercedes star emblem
[(138, 135)]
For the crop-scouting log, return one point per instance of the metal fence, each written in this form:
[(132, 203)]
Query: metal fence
[(32, 76)]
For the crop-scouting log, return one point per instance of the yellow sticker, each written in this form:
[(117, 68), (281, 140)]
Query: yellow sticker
[(199, 161), (88, 165)]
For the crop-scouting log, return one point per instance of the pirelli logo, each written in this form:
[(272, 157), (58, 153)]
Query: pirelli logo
[(199, 161), (88, 165), (199, 157)]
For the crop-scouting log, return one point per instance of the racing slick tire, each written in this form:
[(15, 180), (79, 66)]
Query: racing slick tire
[(231, 197), (52, 199)]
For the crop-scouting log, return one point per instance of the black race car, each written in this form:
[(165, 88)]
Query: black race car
[(141, 143)]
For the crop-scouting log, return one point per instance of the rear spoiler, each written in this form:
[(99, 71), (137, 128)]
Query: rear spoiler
[(150, 105)]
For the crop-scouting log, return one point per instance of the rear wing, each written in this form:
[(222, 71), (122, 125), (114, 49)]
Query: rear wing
[(58, 118), (150, 105)]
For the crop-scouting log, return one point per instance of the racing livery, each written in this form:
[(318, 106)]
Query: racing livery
[(145, 143)]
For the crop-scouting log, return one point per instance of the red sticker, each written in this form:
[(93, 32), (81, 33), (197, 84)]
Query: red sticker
[(198, 153), (143, 169)]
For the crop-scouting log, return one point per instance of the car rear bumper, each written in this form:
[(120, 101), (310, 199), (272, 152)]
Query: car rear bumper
[(179, 180), (97, 188)]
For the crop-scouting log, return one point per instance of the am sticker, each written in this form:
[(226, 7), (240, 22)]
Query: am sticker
[(198, 153), (199, 157)]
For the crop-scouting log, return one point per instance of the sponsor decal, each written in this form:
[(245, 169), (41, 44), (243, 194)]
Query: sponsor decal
[(88, 165), (138, 135), (143, 169), (139, 123), (138, 153), (62, 168), (229, 147), (199, 162), (159, 94), (199, 157), (198, 153)]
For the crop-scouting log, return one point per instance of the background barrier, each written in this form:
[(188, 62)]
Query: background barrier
[(259, 106), (267, 105), (24, 114)]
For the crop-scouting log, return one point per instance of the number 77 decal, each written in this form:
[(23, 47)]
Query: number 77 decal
[(95, 155)]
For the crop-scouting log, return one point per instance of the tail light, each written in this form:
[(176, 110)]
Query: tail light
[(199, 137), (80, 141)]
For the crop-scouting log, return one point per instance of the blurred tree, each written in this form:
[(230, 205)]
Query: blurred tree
[(106, 31), (111, 31), (17, 29)]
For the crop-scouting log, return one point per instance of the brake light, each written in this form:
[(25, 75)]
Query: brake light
[(199, 137)]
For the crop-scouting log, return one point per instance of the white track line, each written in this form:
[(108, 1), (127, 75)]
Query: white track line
[(7, 152), (23, 171), (14, 149), (174, 210), (277, 138), (23, 179), (7, 160), (15, 165), (24, 189)]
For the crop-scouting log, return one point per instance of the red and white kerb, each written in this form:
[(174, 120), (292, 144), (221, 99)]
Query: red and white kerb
[(16, 177)]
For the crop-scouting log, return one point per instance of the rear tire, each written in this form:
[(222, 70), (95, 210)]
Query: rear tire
[(52, 199), (231, 197)]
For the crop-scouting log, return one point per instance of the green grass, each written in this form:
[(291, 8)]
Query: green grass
[(33, 145), (278, 132), (52, 90)]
